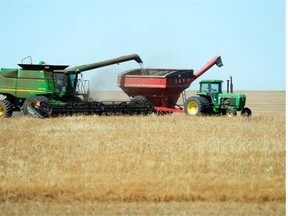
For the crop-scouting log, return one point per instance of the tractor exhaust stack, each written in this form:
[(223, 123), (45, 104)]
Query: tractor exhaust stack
[(228, 86), (231, 85)]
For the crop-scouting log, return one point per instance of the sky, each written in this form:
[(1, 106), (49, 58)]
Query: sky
[(248, 34)]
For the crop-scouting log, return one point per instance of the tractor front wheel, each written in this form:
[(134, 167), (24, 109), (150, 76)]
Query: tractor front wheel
[(194, 106), (246, 112), (5, 108), (231, 112)]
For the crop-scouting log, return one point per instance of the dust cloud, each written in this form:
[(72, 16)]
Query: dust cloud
[(103, 86)]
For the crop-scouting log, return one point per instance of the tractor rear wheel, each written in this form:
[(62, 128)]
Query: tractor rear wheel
[(5, 108), (208, 106), (231, 112), (194, 106), (37, 106), (246, 112)]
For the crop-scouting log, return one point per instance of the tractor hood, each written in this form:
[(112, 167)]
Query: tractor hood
[(235, 100)]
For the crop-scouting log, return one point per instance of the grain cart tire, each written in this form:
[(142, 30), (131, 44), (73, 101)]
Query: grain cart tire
[(246, 112), (5, 108), (142, 101), (139, 98), (37, 106), (231, 112), (194, 106)]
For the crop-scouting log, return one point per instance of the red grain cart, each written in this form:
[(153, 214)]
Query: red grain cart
[(162, 87)]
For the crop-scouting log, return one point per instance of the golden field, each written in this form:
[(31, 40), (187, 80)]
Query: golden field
[(146, 165)]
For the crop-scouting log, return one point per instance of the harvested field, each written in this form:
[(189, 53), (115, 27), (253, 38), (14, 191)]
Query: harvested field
[(146, 165)]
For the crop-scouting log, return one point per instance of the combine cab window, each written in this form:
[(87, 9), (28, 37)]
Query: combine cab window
[(65, 82), (59, 81), (72, 80)]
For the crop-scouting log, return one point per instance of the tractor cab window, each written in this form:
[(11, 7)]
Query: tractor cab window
[(216, 88), (210, 88), (204, 88)]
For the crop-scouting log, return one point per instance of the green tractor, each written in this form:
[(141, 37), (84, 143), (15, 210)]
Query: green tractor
[(211, 100)]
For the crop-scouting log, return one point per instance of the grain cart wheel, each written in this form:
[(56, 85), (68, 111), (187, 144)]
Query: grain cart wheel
[(194, 106), (231, 112), (143, 103), (5, 108), (139, 98), (37, 106), (246, 112)]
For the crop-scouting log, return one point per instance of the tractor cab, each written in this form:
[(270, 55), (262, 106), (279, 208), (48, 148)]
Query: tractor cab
[(210, 89)]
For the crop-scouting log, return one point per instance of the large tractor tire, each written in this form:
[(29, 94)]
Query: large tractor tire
[(6, 109), (37, 106), (208, 106), (231, 112), (246, 112), (195, 106)]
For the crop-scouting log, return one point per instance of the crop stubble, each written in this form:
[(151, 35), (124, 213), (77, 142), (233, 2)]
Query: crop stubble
[(144, 159)]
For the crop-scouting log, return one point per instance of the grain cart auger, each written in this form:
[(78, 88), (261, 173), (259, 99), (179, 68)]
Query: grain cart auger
[(42, 90)]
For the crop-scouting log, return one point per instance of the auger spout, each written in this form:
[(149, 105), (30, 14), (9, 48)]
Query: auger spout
[(216, 60), (92, 66)]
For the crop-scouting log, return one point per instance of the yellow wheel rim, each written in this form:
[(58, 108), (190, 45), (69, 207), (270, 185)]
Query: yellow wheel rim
[(192, 108), (2, 110), (230, 114)]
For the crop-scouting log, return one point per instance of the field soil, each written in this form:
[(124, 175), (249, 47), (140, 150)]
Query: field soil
[(146, 165)]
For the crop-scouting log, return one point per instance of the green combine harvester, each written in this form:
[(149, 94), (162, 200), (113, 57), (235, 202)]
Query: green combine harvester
[(43, 90)]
